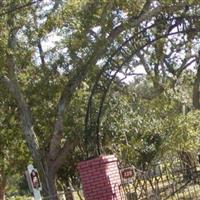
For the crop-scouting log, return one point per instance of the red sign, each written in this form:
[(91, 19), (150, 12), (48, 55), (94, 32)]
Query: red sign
[(127, 173)]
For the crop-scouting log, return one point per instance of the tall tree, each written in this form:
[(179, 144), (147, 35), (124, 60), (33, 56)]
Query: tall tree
[(100, 36)]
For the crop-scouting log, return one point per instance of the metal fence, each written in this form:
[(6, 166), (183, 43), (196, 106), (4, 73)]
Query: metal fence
[(163, 182), (160, 182)]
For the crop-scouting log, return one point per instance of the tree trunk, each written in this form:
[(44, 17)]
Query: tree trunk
[(189, 164), (48, 180), (52, 187), (188, 160), (2, 192), (196, 94), (49, 186), (2, 187)]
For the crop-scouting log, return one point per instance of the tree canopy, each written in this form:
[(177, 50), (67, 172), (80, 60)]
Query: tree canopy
[(61, 61)]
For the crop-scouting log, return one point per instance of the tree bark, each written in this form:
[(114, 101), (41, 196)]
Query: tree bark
[(189, 163), (188, 160), (196, 93), (2, 186), (47, 173), (52, 186), (2, 192), (48, 180)]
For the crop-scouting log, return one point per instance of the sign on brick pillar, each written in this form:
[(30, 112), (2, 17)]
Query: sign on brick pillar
[(100, 178)]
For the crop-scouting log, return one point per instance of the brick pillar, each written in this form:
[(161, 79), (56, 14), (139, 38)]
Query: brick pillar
[(100, 178)]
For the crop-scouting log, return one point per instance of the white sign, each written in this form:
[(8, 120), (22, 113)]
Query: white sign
[(34, 182), (128, 174)]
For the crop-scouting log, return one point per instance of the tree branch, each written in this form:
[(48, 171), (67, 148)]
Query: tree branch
[(10, 82), (25, 115), (74, 82), (144, 63), (19, 7), (196, 86), (39, 44), (81, 71), (64, 153)]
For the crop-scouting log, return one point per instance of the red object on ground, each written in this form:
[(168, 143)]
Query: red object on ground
[(100, 178)]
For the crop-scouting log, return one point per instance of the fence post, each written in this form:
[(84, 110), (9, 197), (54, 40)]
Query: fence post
[(101, 179)]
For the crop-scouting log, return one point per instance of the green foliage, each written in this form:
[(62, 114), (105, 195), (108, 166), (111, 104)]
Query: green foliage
[(186, 136), (34, 81), (144, 131), (14, 155), (17, 187), (20, 198), (140, 123)]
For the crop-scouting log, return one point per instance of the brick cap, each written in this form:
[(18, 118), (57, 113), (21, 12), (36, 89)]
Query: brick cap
[(102, 159)]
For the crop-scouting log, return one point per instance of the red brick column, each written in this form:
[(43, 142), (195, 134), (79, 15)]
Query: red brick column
[(100, 178)]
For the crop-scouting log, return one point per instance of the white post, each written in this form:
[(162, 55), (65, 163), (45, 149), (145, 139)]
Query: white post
[(35, 189), (37, 195)]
